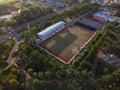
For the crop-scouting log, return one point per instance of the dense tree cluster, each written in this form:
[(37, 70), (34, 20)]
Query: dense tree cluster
[(111, 81), (116, 7), (48, 73), (12, 79), (31, 13), (30, 35), (5, 48), (111, 43), (28, 13), (7, 6), (76, 12)]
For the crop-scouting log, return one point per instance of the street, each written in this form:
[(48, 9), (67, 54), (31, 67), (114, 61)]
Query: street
[(15, 47), (33, 22)]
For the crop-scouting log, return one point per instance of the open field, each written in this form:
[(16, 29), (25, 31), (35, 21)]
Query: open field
[(62, 44)]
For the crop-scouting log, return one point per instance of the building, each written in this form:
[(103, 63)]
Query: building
[(103, 17), (100, 16), (51, 29), (118, 20), (111, 19)]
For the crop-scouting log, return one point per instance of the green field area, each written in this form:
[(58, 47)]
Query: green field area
[(63, 42)]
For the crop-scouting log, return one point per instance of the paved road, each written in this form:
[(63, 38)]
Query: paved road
[(25, 25), (15, 47), (16, 35)]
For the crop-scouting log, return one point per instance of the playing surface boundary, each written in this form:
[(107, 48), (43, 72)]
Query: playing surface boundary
[(72, 56)]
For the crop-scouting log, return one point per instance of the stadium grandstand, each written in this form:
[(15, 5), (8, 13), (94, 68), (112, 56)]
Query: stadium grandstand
[(48, 31)]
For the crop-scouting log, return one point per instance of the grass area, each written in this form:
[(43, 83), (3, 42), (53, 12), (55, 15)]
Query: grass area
[(63, 43), (7, 1)]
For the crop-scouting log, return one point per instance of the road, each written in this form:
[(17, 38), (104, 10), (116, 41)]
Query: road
[(15, 47), (25, 25), (33, 22), (16, 35)]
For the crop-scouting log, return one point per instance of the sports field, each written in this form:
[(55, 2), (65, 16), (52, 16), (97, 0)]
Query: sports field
[(62, 43)]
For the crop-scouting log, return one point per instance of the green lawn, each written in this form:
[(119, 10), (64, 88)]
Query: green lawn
[(63, 42)]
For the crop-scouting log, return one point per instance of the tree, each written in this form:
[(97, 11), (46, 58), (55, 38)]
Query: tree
[(3, 63), (36, 84), (14, 71), (111, 81), (22, 86), (110, 26), (29, 84), (48, 74), (27, 37), (41, 75), (30, 70), (12, 84), (85, 65), (115, 5), (60, 83), (75, 63)]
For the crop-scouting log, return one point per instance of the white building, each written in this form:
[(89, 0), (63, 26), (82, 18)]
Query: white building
[(51, 29)]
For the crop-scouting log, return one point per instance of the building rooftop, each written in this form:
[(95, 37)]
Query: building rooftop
[(46, 32)]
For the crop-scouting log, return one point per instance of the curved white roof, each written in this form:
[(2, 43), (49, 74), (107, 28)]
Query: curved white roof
[(51, 29)]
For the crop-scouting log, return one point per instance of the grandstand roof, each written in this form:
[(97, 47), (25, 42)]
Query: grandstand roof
[(51, 29)]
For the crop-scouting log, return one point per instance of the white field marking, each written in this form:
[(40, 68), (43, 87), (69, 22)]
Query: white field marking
[(82, 47), (74, 55)]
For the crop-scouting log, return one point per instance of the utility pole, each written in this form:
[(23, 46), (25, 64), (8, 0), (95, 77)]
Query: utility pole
[(28, 28)]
